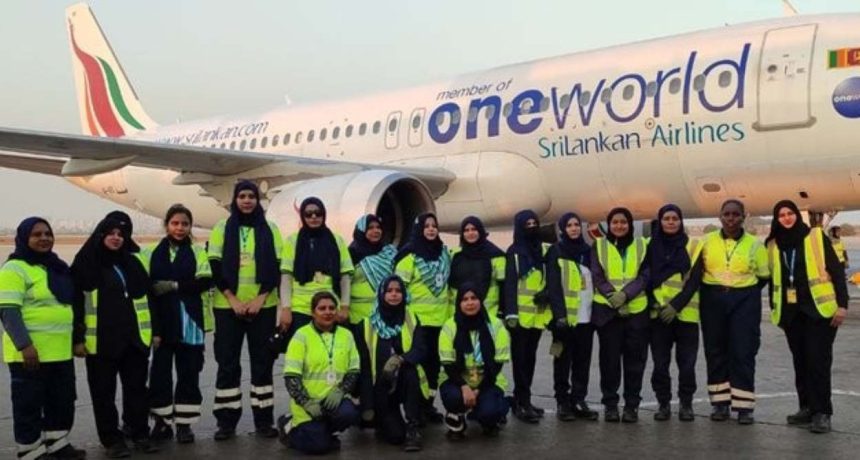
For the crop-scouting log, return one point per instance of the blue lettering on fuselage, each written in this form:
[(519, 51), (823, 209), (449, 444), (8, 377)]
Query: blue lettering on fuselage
[(525, 115)]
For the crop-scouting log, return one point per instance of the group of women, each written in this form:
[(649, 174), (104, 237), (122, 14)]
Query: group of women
[(372, 333)]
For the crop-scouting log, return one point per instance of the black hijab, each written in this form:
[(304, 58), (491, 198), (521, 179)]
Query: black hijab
[(93, 257), (391, 315), (361, 247), (59, 275), (624, 241), (429, 250), (467, 324), (787, 238), (316, 249), (474, 255), (268, 272), (127, 227), (667, 254), (576, 249), (527, 243)]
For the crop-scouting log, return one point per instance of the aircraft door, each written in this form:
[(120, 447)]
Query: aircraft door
[(416, 124), (784, 78), (392, 130)]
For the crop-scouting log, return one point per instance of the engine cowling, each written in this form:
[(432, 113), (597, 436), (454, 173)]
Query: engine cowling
[(394, 196)]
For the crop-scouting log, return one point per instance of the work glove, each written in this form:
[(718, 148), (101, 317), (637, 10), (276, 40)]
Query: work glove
[(313, 408), (617, 299), (668, 314), (333, 399), (389, 370), (512, 321), (561, 324), (624, 311), (164, 287)]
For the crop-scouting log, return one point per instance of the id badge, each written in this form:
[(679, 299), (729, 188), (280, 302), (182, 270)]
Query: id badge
[(244, 259), (791, 295), (319, 277), (556, 349), (331, 378)]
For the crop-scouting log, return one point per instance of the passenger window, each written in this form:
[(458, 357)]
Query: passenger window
[(348, 132), (725, 79), (232, 145), (416, 121), (376, 126), (253, 144), (242, 144), (311, 136), (286, 138), (544, 104), (564, 102), (392, 125), (489, 113), (675, 86), (627, 94), (222, 145), (585, 98), (362, 129), (263, 142), (299, 137), (323, 133), (473, 113), (699, 83), (606, 96), (275, 140), (651, 89), (506, 110), (335, 133)]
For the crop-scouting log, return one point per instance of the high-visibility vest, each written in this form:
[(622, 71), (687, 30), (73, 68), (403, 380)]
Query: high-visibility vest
[(497, 277), (621, 270), (572, 284), (308, 357), (473, 373), (303, 293), (532, 316), (431, 309), (362, 297), (734, 264), (839, 247), (48, 322), (202, 270), (820, 284), (247, 288), (407, 333), (141, 311), (675, 284)]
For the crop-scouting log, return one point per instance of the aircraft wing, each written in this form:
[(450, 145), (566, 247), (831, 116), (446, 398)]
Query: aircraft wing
[(78, 155)]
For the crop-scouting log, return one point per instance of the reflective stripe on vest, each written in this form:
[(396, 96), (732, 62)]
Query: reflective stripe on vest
[(619, 271), (141, 310), (407, 332), (571, 285), (530, 315), (820, 285), (675, 284)]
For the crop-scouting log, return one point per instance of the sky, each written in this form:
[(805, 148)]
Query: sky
[(198, 58)]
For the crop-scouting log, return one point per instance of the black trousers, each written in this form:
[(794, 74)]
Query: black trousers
[(317, 437), (731, 332), (182, 403), (131, 366), (431, 363), (230, 334), (43, 407), (623, 339), (811, 343), (571, 369), (390, 425), (524, 345), (684, 337), (490, 408)]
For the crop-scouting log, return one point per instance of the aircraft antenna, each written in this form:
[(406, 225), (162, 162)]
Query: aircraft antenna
[(788, 9)]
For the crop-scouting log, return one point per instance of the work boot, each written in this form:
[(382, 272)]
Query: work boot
[(564, 412), (69, 452), (611, 415), (664, 412), (284, 426), (820, 424), (413, 439), (745, 417), (456, 424), (184, 435), (268, 432), (526, 413), (685, 413), (720, 413), (537, 410), (801, 417), (118, 450), (223, 433), (631, 415), (431, 415), (161, 430), (490, 431), (145, 445), (582, 411)]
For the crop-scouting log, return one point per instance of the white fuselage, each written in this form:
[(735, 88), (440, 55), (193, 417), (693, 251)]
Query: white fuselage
[(744, 111)]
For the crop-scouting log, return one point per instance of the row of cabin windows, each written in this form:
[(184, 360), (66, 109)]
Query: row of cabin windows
[(299, 137), (724, 80)]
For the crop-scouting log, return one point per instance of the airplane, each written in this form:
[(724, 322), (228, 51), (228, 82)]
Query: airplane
[(760, 111)]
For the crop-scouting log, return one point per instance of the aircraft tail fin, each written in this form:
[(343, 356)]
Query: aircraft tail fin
[(108, 105)]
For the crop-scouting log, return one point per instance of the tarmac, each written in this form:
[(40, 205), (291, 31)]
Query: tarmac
[(768, 437)]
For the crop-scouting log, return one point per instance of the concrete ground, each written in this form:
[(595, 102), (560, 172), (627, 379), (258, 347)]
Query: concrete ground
[(769, 437)]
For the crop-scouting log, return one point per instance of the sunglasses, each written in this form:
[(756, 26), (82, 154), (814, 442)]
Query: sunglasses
[(310, 214)]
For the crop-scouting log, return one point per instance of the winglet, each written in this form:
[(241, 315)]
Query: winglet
[(788, 9), (108, 105)]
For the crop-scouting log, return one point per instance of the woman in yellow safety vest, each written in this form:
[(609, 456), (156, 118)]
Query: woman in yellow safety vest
[(568, 272), (321, 370), (373, 260), (733, 268), (527, 310), (243, 252), (114, 312), (674, 306), (473, 348), (809, 301), (36, 294), (392, 346), (424, 265), (181, 278), (835, 233), (620, 314), (479, 261)]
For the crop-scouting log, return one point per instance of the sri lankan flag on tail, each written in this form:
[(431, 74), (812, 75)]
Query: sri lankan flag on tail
[(845, 57)]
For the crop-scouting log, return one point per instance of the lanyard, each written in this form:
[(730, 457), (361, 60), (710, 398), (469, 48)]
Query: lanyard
[(729, 255), (244, 234), (330, 351), (476, 348), (790, 265), (122, 280)]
